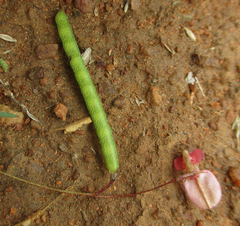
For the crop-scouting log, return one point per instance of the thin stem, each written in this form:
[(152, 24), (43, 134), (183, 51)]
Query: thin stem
[(96, 193), (106, 187)]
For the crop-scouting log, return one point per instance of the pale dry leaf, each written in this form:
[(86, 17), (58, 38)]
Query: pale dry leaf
[(7, 38), (86, 56), (74, 126), (190, 34)]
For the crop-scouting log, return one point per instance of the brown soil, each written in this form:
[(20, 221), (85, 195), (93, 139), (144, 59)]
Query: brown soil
[(148, 136)]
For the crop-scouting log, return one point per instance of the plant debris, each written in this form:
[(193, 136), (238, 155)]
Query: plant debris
[(199, 86), (7, 38), (190, 79), (17, 102), (236, 127), (74, 126), (190, 34), (3, 64), (86, 56), (15, 117)]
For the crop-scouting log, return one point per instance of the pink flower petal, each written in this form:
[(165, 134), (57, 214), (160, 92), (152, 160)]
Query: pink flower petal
[(197, 156), (204, 190), (179, 163)]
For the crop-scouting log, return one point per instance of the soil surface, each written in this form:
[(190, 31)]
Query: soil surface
[(142, 56)]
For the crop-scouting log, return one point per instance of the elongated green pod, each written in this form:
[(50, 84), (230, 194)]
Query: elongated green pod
[(89, 92)]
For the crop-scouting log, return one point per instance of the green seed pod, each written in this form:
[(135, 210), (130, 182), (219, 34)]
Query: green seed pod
[(89, 92)]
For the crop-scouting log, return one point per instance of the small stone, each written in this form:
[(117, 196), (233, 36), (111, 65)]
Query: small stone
[(171, 109), (44, 81), (63, 147), (195, 58), (75, 175), (88, 158), (153, 96), (90, 188), (147, 51), (86, 6), (110, 68), (12, 211), (213, 125), (175, 77), (43, 218), (60, 111), (234, 173), (129, 49), (200, 223), (151, 71), (17, 83), (230, 116), (156, 215), (35, 125), (37, 73), (51, 94), (135, 4), (46, 51), (119, 103), (18, 127)]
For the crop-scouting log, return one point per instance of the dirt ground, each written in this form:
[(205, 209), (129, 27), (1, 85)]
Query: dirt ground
[(130, 53)]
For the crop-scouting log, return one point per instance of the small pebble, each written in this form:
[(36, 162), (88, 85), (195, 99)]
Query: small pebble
[(60, 111), (213, 125), (12, 211), (18, 127), (110, 68), (195, 58), (43, 218), (37, 73), (151, 71), (156, 214), (51, 94), (129, 49), (90, 188), (75, 175), (35, 125), (63, 147), (119, 103), (44, 81), (200, 223), (234, 173), (88, 158), (230, 116), (175, 77), (17, 82), (59, 81), (147, 51), (85, 6), (153, 96), (135, 4), (46, 51), (171, 109)]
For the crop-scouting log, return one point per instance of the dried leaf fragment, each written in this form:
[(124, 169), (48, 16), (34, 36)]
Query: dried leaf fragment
[(7, 38), (75, 125), (86, 56), (190, 34)]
